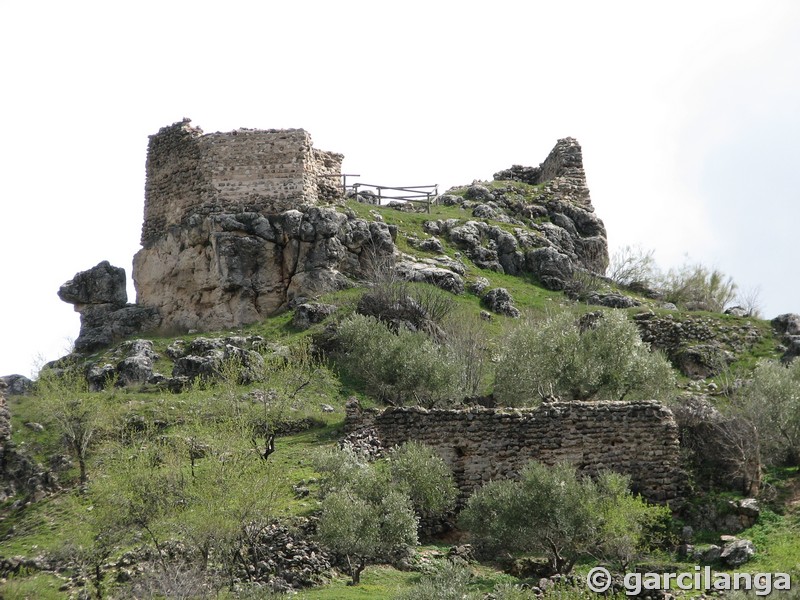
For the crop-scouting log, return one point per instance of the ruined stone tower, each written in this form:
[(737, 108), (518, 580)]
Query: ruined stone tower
[(234, 229)]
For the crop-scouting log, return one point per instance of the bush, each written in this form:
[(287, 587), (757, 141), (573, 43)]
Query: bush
[(415, 306), (397, 367), (369, 510), (697, 287), (555, 512), (449, 581), (632, 266), (606, 360), (417, 470), (771, 402)]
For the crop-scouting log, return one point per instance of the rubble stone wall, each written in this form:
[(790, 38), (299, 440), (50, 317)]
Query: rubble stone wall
[(247, 170), (639, 439)]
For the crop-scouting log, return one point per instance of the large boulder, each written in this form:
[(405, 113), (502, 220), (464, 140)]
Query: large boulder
[(102, 284), (16, 385), (737, 553), (99, 295)]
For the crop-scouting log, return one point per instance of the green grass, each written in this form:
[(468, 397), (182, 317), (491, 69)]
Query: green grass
[(39, 586)]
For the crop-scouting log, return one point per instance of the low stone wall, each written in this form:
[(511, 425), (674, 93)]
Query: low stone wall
[(639, 439)]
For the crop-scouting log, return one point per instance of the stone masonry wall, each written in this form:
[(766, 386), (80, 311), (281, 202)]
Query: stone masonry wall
[(562, 171), (639, 439), (247, 170)]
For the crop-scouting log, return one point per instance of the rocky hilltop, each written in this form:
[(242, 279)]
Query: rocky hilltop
[(241, 225)]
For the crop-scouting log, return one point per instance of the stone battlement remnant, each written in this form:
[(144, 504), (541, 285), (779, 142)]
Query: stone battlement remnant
[(247, 170), (639, 439)]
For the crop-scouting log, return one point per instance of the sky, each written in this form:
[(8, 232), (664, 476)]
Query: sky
[(687, 112)]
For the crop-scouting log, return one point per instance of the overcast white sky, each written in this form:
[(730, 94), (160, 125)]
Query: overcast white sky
[(687, 113)]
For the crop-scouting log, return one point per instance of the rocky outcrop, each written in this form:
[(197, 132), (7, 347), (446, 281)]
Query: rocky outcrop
[(99, 295), (557, 231), (16, 385), (787, 326), (225, 270), (311, 313), (19, 474), (500, 301)]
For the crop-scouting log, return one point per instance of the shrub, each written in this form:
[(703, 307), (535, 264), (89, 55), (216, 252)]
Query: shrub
[(554, 511), (698, 287), (469, 344), (632, 266), (396, 367), (417, 470), (606, 360), (771, 402), (369, 510), (448, 581), (415, 306)]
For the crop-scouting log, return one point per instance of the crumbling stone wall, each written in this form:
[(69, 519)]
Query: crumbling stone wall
[(639, 439), (247, 170), (562, 171)]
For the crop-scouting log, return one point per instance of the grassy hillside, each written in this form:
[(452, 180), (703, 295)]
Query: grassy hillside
[(201, 442)]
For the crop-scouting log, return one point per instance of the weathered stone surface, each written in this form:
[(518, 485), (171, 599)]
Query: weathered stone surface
[(500, 301), (226, 270), (611, 300), (639, 439), (552, 268), (102, 284), (99, 296), (737, 553), (310, 313), (16, 385), (104, 324), (425, 273)]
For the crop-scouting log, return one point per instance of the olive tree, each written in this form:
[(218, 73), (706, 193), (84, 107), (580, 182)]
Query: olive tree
[(556, 512), (399, 366), (598, 358), (369, 510), (770, 401)]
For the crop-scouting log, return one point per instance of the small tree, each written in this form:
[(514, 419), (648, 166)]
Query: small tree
[(77, 414), (368, 509), (604, 360), (553, 511), (364, 529), (417, 470), (771, 403)]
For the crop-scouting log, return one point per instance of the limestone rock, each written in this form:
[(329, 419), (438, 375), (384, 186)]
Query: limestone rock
[(425, 273), (310, 313), (499, 301), (611, 300), (552, 268), (16, 385), (99, 296), (737, 553), (102, 284), (227, 270)]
